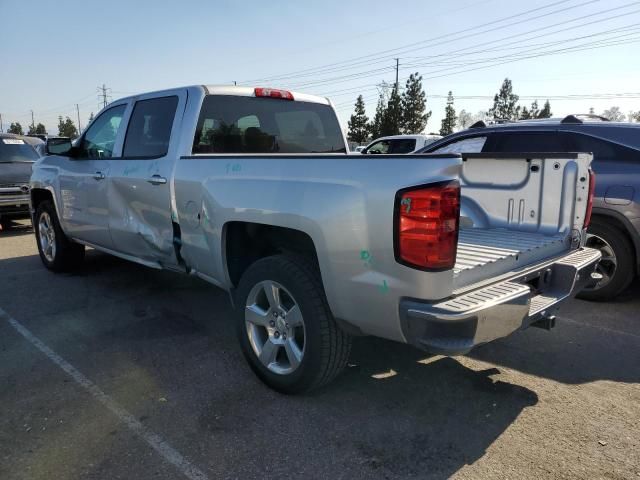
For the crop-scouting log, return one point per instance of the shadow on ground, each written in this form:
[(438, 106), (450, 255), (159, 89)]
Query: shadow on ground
[(394, 413)]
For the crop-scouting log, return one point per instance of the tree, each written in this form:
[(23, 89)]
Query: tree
[(449, 120), (545, 112), (634, 116), (393, 115), (40, 129), (465, 119), (375, 127), (505, 103), (591, 111), (16, 128), (90, 118), (66, 128), (614, 114), (414, 106), (359, 123)]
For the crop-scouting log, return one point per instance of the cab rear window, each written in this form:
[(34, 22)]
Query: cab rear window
[(235, 124)]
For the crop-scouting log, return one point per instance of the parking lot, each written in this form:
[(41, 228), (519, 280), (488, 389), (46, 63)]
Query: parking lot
[(120, 371)]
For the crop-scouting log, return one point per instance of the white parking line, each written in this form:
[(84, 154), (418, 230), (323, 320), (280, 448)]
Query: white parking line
[(154, 440)]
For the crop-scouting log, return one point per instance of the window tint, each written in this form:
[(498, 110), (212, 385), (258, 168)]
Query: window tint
[(466, 145), (99, 140), (235, 124), (16, 150), (149, 129), (545, 142), (380, 147), (405, 145), (602, 150)]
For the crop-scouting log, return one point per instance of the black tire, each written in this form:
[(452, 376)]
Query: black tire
[(624, 271), (326, 346), (67, 255)]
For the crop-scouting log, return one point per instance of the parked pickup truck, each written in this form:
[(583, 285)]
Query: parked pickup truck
[(252, 190)]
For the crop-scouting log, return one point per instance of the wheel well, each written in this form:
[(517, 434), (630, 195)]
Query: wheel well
[(39, 195), (615, 222), (247, 242)]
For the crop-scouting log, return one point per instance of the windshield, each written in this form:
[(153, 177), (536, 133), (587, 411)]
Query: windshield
[(235, 124), (16, 150)]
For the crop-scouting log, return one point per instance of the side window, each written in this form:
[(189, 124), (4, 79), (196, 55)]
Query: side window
[(149, 129), (380, 147), (99, 140), (406, 145), (466, 145), (602, 150), (544, 142)]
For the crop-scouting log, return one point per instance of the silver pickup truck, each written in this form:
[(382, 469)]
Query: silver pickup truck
[(252, 190)]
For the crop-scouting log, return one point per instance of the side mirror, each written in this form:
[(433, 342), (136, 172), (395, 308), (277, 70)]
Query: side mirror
[(59, 146)]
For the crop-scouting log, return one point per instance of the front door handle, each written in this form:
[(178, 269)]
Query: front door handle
[(98, 176), (157, 180)]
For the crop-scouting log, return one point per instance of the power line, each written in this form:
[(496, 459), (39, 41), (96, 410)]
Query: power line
[(104, 92), (368, 73), (367, 58)]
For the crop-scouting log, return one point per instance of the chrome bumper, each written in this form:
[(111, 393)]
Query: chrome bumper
[(14, 203), (458, 324)]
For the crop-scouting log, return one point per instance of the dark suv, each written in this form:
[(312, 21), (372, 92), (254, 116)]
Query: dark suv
[(615, 226)]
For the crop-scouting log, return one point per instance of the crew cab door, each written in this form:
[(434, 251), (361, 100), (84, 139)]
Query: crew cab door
[(83, 189), (140, 181)]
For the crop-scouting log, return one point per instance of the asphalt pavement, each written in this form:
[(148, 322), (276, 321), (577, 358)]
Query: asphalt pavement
[(123, 372)]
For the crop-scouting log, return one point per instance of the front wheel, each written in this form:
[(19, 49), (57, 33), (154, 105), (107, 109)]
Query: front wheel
[(285, 326), (57, 252)]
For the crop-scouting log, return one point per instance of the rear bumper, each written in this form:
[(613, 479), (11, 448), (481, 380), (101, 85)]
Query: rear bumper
[(458, 324)]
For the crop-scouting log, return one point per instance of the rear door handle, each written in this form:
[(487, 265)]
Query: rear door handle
[(98, 176), (157, 180)]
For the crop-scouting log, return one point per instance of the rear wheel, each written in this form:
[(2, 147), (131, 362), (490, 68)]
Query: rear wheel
[(617, 265), (57, 252), (285, 327)]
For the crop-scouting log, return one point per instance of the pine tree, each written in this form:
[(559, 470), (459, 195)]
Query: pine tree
[(359, 123), (16, 128), (41, 129), (393, 118), (546, 111), (524, 114), (375, 126), (449, 120), (505, 103), (414, 106), (66, 128), (90, 118)]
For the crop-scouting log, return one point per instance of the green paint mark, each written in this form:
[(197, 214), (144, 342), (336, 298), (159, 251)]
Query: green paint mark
[(233, 168), (366, 257), (384, 288), (407, 203)]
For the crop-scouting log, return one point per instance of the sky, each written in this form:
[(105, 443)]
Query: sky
[(578, 53)]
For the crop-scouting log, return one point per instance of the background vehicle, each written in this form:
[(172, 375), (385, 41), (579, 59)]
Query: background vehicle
[(399, 144), (252, 190), (16, 158), (615, 228)]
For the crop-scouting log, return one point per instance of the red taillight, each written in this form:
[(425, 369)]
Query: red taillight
[(592, 192), (273, 93), (427, 222)]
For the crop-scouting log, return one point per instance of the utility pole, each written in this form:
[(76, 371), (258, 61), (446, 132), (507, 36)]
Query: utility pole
[(33, 122), (397, 69), (1, 129), (78, 110), (104, 93)]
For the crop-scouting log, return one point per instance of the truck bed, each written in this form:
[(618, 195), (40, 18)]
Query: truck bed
[(486, 253)]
